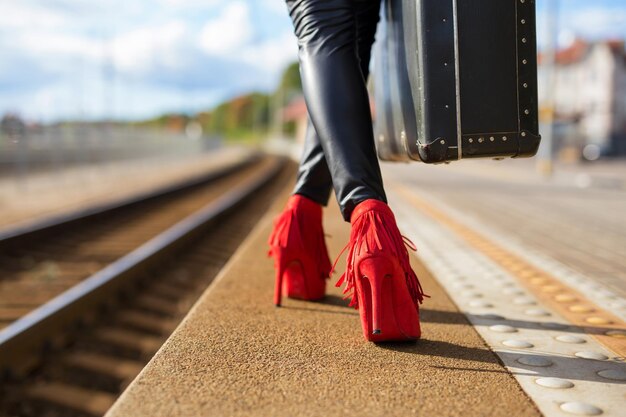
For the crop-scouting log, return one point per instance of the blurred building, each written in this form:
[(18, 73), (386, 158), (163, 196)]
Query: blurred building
[(296, 112), (12, 125), (589, 95)]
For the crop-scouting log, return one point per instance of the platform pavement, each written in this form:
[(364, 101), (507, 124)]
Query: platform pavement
[(44, 194), (236, 354), (582, 229), (607, 174)]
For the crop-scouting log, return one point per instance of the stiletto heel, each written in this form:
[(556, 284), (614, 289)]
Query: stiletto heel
[(375, 271), (300, 256), (388, 313), (376, 283), (379, 277), (278, 287)]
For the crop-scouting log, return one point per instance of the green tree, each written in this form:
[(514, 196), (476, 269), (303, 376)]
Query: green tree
[(290, 84), (243, 116)]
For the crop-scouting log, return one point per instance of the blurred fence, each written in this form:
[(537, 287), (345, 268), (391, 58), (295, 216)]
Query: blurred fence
[(27, 150)]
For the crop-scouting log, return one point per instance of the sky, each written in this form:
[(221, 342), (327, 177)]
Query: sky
[(133, 59)]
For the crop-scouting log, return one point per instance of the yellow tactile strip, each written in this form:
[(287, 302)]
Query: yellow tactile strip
[(570, 303)]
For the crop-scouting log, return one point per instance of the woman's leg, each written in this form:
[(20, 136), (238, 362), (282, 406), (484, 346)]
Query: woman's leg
[(314, 180), (335, 39), (332, 35)]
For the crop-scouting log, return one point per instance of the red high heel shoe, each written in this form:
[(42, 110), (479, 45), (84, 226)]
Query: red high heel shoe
[(300, 255), (378, 270)]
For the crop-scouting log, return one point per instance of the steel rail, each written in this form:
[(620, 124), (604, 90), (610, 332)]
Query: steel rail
[(24, 341)]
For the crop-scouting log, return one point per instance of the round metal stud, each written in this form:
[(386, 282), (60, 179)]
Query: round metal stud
[(524, 301), (470, 140), (480, 304), (557, 383), (472, 294), (537, 312), (443, 142), (504, 138), (523, 134), (620, 334), (581, 309), (598, 320), (513, 291), (538, 361), (614, 374), (587, 354), (523, 21), (525, 85), (526, 111), (518, 344), (491, 138), (538, 280), (502, 328), (550, 288), (565, 298), (568, 338), (481, 140), (581, 409), (524, 61)]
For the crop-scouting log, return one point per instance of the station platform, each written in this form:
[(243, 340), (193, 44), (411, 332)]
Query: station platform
[(503, 335)]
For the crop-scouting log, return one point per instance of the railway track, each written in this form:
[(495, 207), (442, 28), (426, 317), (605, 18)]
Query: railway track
[(40, 261), (124, 282)]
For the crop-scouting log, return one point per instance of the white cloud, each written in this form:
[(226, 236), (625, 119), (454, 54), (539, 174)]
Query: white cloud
[(55, 45), (190, 3), (272, 55), (595, 21), (21, 16), (276, 6), (141, 49), (230, 35), (63, 58), (230, 30)]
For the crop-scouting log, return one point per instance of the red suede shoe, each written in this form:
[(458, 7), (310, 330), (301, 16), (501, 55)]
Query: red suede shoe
[(299, 250), (378, 270)]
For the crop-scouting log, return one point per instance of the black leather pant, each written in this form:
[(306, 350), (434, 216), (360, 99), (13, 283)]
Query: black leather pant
[(335, 39)]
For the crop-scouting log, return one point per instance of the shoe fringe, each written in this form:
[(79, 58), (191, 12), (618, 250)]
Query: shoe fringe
[(375, 231), (289, 229)]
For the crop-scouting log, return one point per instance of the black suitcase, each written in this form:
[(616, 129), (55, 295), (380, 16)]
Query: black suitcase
[(456, 79)]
